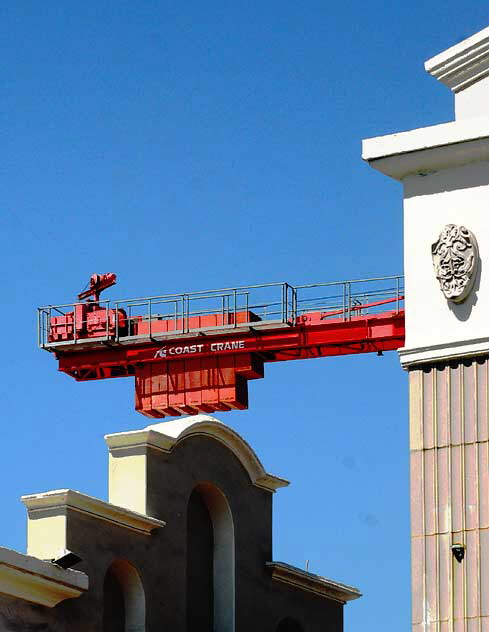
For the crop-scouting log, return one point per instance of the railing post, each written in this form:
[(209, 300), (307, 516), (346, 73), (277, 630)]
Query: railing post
[(187, 314), (349, 301), (150, 316), (183, 313), (397, 293), (235, 315), (39, 328), (74, 322)]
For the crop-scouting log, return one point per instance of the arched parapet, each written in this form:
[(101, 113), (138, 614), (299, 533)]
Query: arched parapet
[(167, 434), (128, 450)]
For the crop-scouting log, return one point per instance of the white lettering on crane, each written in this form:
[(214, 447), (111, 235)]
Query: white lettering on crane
[(176, 350), (227, 346)]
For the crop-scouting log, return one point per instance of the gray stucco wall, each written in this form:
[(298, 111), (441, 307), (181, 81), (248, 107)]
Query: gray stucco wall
[(160, 558), (20, 616)]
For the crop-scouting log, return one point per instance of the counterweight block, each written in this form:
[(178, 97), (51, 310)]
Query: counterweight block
[(189, 386)]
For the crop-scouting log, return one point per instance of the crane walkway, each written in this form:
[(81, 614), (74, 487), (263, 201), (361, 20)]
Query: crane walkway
[(271, 305)]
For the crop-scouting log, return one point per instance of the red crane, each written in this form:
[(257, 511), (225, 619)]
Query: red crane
[(195, 352)]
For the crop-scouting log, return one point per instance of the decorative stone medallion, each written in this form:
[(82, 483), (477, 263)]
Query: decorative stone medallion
[(455, 259)]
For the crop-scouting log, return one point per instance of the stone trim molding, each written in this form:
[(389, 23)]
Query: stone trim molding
[(164, 436), (429, 149), (61, 500), (464, 64), (313, 583), (43, 583), (437, 353)]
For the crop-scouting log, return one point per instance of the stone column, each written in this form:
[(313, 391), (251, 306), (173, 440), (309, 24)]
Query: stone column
[(449, 437), (445, 174)]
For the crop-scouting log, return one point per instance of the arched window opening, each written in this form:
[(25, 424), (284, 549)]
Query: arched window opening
[(210, 561), (200, 566), (124, 602), (289, 625)]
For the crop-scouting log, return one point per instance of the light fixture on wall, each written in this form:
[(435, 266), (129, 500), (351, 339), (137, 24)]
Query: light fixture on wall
[(458, 551), (67, 560)]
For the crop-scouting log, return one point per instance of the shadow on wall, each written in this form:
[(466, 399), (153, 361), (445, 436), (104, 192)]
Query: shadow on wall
[(210, 561), (289, 625), (463, 310), (21, 616), (124, 601), (469, 176)]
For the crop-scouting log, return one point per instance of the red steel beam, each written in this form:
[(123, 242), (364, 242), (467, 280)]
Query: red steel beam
[(361, 334), (204, 373)]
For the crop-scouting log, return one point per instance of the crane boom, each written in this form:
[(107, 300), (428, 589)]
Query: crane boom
[(195, 352)]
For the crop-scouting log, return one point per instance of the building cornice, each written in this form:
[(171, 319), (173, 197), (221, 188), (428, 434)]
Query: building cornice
[(316, 584), (464, 64), (164, 436), (416, 356), (63, 499), (43, 583), (429, 149)]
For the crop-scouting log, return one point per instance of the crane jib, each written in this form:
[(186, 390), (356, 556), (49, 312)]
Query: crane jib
[(193, 353)]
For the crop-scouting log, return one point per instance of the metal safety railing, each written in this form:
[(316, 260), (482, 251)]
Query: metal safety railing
[(347, 299), (268, 304)]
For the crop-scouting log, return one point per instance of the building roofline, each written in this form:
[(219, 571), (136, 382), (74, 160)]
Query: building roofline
[(43, 583), (304, 580), (63, 499), (463, 64), (164, 436), (429, 149)]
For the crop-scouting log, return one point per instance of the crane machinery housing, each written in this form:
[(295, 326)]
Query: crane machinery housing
[(195, 352)]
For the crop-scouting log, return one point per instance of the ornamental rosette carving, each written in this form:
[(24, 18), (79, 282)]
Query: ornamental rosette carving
[(455, 259)]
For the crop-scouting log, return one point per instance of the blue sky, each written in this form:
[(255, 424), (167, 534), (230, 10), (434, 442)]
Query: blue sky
[(195, 145)]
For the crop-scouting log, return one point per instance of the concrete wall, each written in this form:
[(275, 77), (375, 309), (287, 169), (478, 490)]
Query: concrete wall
[(471, 102), (160, 558), (21, 616), (451, 196)]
